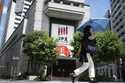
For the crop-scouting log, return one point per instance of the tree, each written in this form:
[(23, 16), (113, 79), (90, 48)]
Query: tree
[(76, 43), (40, 48), (109, 46)]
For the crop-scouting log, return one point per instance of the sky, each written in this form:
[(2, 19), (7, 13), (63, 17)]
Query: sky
[(98, 8)]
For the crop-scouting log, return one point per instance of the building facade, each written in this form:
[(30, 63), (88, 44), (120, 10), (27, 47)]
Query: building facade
[(118, 24), (52, 16), (118, 17)]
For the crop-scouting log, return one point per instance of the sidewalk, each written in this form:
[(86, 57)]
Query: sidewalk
[(27, 81)]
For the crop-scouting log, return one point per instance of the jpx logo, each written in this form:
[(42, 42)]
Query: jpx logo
[(62, 34)]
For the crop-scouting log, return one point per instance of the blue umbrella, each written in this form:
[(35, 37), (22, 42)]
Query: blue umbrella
[(96, 24)]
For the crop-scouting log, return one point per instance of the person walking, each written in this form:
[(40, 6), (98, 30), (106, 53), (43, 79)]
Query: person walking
[(87, 50)]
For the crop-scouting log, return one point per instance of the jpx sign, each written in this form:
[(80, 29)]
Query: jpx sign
[(62, 33)]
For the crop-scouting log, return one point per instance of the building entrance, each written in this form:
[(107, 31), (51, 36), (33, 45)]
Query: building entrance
[(63, 67)]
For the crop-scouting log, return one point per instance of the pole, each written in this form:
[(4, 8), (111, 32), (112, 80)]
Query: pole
[(120, 69), (51, 77)]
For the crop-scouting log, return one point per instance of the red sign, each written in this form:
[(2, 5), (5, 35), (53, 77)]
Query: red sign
[(63, 51)]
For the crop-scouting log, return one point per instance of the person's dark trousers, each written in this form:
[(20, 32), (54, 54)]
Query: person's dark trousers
[(83, 57)]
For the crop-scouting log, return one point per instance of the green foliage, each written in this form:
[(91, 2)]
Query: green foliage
[(39, 47), (76, 43), (109, 46)]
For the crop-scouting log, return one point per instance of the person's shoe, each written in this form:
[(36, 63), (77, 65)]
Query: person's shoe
[(92, 80)]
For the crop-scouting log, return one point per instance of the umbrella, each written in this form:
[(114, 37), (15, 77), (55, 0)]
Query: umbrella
[(96, 24)]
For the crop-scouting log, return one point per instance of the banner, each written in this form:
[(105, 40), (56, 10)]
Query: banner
[(4, 14), (63, 35)]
